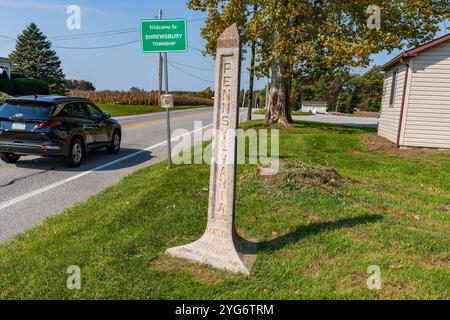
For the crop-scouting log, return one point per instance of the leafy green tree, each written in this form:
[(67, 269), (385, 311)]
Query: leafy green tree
[(367, 90), (363, 92), (82, 85), (34, 58), (345, 103), (317, 37), (207, 93), (136, 89)]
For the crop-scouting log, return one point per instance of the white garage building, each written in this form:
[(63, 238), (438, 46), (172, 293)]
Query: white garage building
[(415, 110), (315, 107), (5, 65)]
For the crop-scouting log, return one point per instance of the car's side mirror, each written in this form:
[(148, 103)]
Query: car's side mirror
[(106, 116)]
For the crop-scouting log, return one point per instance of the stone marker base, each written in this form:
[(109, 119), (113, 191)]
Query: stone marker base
[(236, 256)]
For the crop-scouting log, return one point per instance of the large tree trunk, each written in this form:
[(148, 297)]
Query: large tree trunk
[(278, 110)]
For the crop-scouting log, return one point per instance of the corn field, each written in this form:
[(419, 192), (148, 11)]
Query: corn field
[(138, 98)]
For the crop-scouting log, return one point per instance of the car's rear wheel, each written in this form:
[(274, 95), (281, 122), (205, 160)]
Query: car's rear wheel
[(76, 154), (9, 157), (115, 143)]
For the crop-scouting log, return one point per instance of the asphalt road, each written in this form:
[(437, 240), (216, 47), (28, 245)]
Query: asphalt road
[(36, 188), (344, 120)]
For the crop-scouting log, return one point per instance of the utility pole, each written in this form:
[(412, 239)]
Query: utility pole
[(338, 102), (252, 73), (160, 69), (166, 87), (243, 104), (252, 79), (169, 139)]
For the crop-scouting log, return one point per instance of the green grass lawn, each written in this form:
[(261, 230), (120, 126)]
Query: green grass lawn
[(117, 110), (299, 113), (294, 113), (315, 242)]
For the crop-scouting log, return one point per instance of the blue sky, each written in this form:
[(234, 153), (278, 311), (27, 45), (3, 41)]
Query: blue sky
[(122, 67)]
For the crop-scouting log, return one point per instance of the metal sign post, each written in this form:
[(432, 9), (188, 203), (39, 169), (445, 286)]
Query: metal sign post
[(163, 36), (169, 139)]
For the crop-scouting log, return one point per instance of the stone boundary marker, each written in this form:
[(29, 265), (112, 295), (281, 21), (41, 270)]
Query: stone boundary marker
[(221, 246)]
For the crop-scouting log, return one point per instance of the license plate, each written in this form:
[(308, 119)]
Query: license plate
[(19, 126)]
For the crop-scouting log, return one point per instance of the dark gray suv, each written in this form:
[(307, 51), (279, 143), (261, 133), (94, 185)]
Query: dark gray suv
[(55, 126)]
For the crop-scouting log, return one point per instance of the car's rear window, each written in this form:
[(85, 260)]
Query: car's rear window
[(25, 111)]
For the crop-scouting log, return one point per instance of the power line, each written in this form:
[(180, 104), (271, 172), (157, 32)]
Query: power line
[(84, 35), (196, 49), (201, 68), (196, 20), (6, 37), (92, 34), (94, 48), (190, 74), (192, 67)]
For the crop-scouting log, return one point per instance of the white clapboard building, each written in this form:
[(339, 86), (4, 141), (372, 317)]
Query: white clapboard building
[(5, 66), (415, 110), (315, 107)]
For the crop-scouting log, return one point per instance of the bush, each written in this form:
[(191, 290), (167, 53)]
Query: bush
[(3, 97), (6, 85), (17, 76), (30, 87)]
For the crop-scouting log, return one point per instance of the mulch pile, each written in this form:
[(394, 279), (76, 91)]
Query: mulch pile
[(297, 175), (377, 143)]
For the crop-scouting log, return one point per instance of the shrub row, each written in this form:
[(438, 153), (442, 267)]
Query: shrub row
[(22, 86), (30, 86), (138, 98)]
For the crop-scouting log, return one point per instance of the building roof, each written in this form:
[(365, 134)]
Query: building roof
[(316, 103), (5, 60), (414, 52)]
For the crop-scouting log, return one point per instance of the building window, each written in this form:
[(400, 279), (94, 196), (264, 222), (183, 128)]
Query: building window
[(393, 88), (4, 69)]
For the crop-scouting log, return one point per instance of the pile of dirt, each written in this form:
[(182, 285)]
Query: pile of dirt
[(297, 175), (377, 143)]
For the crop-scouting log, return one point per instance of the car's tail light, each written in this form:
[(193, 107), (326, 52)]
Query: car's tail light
[(50, 124), (54, 124)]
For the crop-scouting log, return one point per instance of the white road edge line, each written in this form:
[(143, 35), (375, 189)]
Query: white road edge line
[(32, 194)]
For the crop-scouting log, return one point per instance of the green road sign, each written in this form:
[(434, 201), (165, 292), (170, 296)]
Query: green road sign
[(168, 35)]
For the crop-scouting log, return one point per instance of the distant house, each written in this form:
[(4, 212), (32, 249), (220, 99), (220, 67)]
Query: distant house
[(315, 107), (5, 65), (415, 109)]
